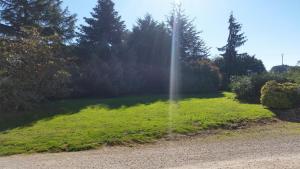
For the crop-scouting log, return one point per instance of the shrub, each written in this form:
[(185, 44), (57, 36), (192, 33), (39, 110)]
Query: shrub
[(281, 69), (33, 69), (247, 88), (243, 88), (244, 64), (280, 96), (200, 76), (294, 74)]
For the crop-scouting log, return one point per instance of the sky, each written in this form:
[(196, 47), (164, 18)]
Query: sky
[(272, 27)]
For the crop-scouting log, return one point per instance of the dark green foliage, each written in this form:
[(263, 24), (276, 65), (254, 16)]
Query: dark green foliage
[(149, 43), (247, 88), (200, 76), (280, 69), (280, 96), (100, 78), (192, 47), (102, 36), (243, 88), (245, 65), (100, 47), (45, 15), (294, 74), (148, 61), (33, 69), (235, 40)]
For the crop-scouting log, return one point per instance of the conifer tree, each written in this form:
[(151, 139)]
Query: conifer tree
[(47, 16), (102, 36), (150, 42), (192, 46), (235, 40), (100, 48)]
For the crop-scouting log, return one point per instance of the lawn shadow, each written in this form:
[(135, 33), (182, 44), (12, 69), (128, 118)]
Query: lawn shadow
[(292, 115), (50, 110)]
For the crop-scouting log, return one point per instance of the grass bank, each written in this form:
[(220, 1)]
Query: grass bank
[(72, 125)]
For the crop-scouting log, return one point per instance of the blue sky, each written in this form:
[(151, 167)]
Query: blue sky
[(271, 26)]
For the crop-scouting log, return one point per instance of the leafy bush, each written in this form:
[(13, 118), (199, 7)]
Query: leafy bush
[(200, 76), (281, 69), (32, 70), (242, 66), (280, 96), (247, 88), (294, 74)]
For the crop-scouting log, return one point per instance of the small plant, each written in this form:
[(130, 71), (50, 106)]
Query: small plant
[(280, 95)]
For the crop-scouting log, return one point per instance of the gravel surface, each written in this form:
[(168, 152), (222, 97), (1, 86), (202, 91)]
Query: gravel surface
[(263, 152)]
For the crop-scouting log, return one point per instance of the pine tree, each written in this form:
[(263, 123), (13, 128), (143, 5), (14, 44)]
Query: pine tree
[(45, 15), (150, 42), (192, 46), (149, 46), (100, 49), (235, 40), (102, 36)]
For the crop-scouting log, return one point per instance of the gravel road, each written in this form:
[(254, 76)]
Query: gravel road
[(280, 151)]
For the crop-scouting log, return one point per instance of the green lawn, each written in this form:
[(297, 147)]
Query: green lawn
[(72, 125)]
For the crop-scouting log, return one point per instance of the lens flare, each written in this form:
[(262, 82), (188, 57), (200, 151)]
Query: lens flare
[(174, 71)]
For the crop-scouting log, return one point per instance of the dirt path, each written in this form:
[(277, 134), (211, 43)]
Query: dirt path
[(261, 148)]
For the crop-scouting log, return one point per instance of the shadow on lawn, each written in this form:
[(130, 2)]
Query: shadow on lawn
[(64, 107)]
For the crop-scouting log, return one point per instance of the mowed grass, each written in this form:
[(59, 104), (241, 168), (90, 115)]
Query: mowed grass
[(73, 125)]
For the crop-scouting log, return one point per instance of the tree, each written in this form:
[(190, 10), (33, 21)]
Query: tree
[(298, 63), (294, 74), (102, 36), (149, 46), (235, 40), (200, 76), (45, 15), (33, 69), (280, 69), (245, 65), (100, 49), (192, 47), (150, 42)]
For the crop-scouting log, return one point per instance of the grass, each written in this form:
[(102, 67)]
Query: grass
[(72, 125)]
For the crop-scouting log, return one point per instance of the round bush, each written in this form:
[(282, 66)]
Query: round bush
[(280, 96)]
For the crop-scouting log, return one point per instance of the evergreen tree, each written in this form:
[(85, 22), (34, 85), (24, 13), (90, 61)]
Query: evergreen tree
[(235, 40), (150, 42), (45, 15), (192, 47), (100, 48), (32, 69), (102, 36), (149, 46)]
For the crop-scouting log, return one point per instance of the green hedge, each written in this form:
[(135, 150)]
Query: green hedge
[(200, 76), (280, 95), (247, 88)]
